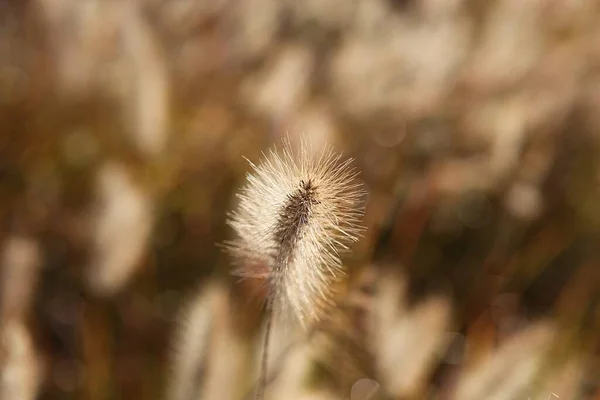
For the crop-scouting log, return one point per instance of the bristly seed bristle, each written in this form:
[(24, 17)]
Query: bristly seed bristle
[(297, 213)]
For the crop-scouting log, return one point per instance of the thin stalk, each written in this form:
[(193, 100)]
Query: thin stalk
[(262, 380)]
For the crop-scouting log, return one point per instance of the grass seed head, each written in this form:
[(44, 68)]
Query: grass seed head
[(298, 212)]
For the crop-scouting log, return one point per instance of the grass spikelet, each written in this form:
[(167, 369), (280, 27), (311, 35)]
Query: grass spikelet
[(298, 212)]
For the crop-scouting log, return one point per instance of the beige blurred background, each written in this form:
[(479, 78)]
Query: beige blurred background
[(475, 125)]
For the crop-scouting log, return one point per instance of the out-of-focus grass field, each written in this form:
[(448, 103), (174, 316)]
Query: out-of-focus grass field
[(475, 125)]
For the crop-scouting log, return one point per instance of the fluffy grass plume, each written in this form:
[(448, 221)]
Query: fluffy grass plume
[(298, 212)]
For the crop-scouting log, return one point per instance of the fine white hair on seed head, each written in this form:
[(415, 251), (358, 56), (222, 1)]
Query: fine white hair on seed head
[(298, 212)]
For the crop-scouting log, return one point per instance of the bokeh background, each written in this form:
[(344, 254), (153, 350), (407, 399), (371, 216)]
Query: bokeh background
[(476, 128)]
